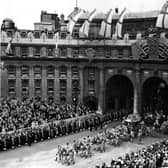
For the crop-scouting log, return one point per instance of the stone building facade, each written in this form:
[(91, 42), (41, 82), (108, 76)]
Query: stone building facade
[(113, 74)]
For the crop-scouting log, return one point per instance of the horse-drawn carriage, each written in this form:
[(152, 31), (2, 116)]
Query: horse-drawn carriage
[(83, 149), (99, 143), (65, 156)]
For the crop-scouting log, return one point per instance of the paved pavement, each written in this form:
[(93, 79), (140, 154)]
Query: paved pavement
[(42, 155)]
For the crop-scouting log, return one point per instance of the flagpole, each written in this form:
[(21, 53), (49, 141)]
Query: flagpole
[(76, 3)]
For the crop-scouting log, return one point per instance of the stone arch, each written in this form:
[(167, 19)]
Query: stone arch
[(154, 94), (122, 73), (119, 93)]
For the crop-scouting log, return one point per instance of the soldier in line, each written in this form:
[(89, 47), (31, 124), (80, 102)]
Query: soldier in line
[(31, 135)]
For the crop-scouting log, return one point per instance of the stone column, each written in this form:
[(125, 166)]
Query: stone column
[(44, 83), (101, 88), (137, 94), (31, 81), (57, 86), (18, 83), (69, 84), (81, 75)]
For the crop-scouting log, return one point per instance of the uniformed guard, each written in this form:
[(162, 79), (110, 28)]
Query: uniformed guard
[(29, 138), (13, 141), (26, 134), (4, 143)]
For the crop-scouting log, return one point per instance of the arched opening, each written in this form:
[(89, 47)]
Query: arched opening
[(119, 93), (154, 95), (91, 102)]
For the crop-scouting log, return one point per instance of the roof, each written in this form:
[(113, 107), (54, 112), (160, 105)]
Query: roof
[(131, 15), (8, 20)]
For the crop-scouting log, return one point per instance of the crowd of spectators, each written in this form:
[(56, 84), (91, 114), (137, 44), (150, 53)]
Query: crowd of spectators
[(31, 121), (16, 115), (153, 156)]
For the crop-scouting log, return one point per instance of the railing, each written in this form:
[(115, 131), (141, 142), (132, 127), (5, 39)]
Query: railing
[(100, 42)]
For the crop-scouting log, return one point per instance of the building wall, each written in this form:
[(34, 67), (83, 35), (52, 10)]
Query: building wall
[(97, 61)]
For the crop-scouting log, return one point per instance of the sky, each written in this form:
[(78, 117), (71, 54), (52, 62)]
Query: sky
[(26, 12)]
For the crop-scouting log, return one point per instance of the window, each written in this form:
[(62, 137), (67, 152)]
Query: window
[(63, 72), (12, 87), (63, 34), (37, 34), (120, 52), (23, 34), (75, 72), (75, 88), (50, 87), (91, 72), (12, 71), (37, 51), (25, 71), (63, 87), (82, 51), (50, 52), (37, 86), (25, 87), (100, 52), (50, 71), (114, 52), (50, 35), (126, 52), (63, 52), (75, 52), (107, 52), (75, 33), (37, 71), (24, 51), (91, 86)]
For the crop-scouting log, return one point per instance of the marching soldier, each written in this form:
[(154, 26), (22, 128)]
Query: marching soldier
[(29, 138), (13, 141)]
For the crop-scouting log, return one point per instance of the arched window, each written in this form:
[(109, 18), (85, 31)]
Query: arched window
[(25, 87), (37, 86), (37, 71), (91, 73), (63, 71), (50, 71), (11, 87), (50, 87), (75, 72), (11, 71), (25, 71)]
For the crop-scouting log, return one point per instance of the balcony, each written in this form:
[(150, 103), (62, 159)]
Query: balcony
[(67, 42)]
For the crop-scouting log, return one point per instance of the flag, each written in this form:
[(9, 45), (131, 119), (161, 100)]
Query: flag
[(84, 30), (108, 24), (57, 39), (162, 19), (118, 28), (105, 29), (73, 19)]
